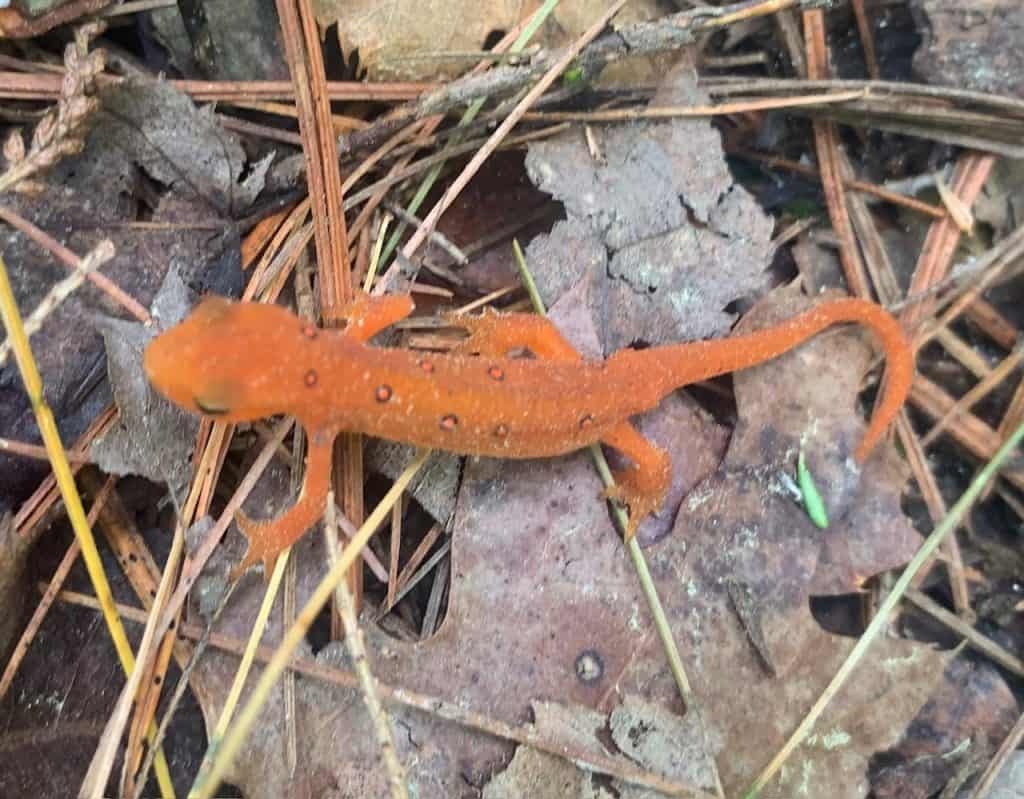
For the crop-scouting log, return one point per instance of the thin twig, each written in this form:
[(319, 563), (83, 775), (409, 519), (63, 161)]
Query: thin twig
[(118, 295), (22, 86), (38, 452), (690, 111), (879, 192), (826, 142), (937, 510), (867, 39), (974, 639), (60, 291), (436, 236)]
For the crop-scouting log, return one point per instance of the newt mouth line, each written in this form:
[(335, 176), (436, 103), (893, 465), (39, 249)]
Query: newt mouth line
[(205, 407)]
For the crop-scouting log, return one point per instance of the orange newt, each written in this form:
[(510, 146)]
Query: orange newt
[(237, 362)]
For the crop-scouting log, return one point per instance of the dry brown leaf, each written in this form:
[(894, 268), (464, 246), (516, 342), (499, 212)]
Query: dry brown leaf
[(969, 715), (808, 400), (408, 39), (667, 239), (150, 437)]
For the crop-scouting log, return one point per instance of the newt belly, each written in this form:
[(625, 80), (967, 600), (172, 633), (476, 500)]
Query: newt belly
[(242, 361)]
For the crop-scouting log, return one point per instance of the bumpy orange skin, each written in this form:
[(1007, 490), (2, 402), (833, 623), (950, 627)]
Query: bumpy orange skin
[(243, 361)]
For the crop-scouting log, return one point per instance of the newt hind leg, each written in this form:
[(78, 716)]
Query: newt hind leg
[(496, 335), (644, 484)]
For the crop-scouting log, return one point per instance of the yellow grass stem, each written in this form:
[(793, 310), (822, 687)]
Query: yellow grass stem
[(251, 646), (232, 742), (68, 491)]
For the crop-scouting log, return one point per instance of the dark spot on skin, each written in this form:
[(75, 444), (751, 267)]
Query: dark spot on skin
[(495, 373), (501, 430), (382, 393), (206, 407), (309, 331), (310, 378), (589, 666), (586, 422), (449, 422), (426, 366)]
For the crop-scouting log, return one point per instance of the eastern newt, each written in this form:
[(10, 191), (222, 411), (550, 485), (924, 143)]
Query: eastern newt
[(237, 362)]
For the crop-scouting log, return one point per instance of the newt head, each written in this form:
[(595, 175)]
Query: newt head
[(233, 361)]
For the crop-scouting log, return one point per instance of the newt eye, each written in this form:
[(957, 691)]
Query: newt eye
[(210, 408)]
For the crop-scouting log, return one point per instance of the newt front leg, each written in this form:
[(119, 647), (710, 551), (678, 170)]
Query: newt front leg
[(236, 362), (364, 316), (267, 539)]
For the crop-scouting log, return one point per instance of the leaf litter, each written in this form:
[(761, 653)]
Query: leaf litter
[(160, 137), (545, 625), (543, 610)]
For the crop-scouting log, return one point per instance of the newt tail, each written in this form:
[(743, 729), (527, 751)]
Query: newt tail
[(675, 365)]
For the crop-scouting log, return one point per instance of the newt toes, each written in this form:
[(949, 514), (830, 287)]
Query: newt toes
[(243, 361)]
